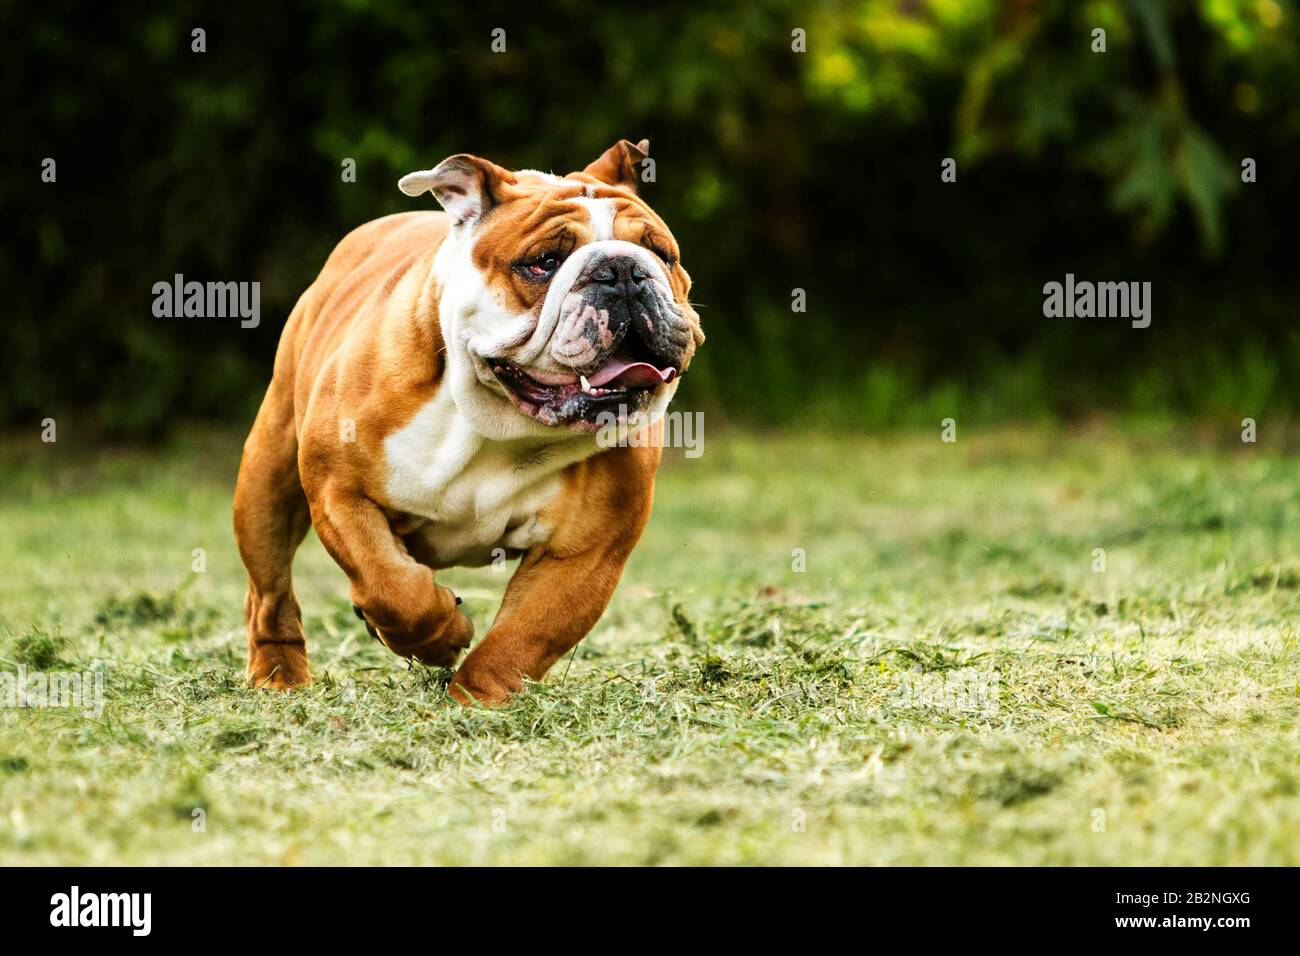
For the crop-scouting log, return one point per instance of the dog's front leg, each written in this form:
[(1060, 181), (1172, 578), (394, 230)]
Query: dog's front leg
[(550, 605), (562, 586), (415, 617)]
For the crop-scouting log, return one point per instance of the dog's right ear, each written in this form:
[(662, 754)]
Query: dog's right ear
[(620, 164), (466, 186)]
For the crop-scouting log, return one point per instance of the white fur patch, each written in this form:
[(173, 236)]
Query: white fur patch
[(551, 178), (477, 495), (600, 213)]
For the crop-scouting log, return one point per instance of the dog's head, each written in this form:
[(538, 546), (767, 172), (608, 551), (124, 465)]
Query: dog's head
[(561, 298)]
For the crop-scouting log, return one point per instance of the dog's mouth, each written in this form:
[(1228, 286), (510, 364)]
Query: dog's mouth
[(622, 385)]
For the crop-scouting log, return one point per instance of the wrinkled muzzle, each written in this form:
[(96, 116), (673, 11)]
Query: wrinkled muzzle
[(620, 302), (609, 334)]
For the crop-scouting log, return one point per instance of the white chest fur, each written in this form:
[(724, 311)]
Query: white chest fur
[(474, 495)]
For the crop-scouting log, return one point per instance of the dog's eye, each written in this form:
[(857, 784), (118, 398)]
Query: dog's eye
[(539, 268), (663, 254)]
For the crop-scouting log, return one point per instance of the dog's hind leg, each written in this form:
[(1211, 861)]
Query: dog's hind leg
[(271, 519)]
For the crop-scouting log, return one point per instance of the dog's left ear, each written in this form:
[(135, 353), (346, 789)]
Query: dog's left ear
[(466, 186), (619, 164)]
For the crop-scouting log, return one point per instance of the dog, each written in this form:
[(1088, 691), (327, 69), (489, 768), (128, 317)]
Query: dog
[(437, 400)]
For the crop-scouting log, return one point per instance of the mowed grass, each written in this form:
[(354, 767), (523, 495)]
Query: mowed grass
[(728, 708)]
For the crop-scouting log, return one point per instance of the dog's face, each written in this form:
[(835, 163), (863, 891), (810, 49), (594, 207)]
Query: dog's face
[(563, 302)]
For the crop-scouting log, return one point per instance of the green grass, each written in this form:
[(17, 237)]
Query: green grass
[(727, 709)]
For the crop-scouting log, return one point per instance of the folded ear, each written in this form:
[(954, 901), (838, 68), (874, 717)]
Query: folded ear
[(466, 186), (618, 164)]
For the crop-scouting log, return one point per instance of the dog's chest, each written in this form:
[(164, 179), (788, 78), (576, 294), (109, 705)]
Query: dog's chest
[(465, 499)]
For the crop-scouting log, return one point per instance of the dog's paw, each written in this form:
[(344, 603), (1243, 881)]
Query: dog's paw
[(442, 648), (278, 667), (482, 680), (437, 640)]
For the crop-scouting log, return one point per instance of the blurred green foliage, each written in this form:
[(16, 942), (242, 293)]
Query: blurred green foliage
[(777, 170)]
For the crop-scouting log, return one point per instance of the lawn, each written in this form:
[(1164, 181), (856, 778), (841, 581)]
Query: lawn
[(883, 650)]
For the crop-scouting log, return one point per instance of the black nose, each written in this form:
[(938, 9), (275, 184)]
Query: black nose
[(622, 275)]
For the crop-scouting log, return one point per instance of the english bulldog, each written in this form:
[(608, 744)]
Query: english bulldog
[(436, 400)]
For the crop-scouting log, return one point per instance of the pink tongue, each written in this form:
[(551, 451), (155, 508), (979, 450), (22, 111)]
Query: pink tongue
[(621, 374)]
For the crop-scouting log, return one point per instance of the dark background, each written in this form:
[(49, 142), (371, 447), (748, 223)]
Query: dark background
[(776, 170)]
